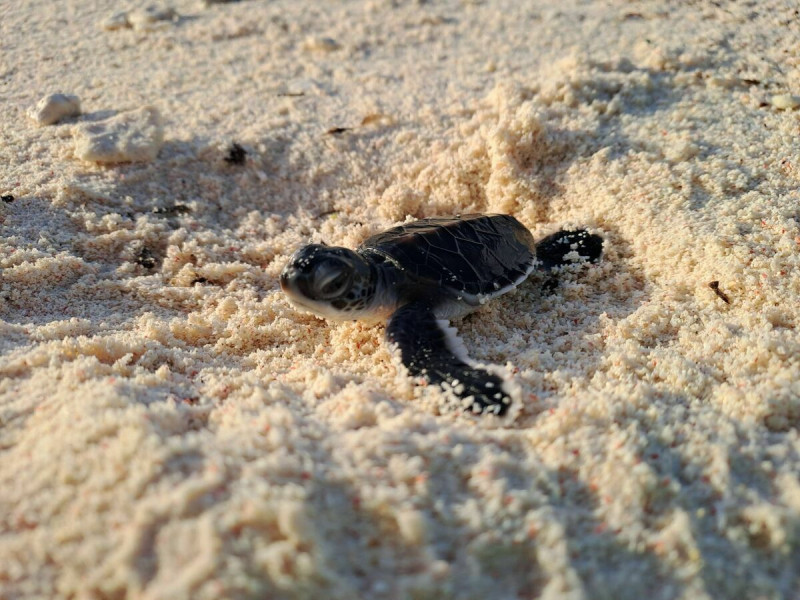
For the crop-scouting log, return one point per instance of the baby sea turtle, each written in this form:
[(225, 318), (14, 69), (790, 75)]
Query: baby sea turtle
[(422, 274)]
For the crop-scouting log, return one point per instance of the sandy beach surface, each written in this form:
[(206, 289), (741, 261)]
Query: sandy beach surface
[(170, 427)]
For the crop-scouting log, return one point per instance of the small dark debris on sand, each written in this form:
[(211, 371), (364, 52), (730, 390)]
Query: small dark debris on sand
[(338, 130), (7, 198), (714, 285), (177, 209), (550, 285), (236, 154), (146, 258)]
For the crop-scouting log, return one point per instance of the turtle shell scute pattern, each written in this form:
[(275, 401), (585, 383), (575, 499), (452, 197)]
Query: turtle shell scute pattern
[(470, 254)]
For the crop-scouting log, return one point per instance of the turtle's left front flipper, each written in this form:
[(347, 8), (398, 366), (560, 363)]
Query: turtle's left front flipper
[(428, 348)]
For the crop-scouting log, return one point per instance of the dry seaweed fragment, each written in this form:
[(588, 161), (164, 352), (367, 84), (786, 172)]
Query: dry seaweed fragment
[(377, 118), (714, 285), (338, 130)]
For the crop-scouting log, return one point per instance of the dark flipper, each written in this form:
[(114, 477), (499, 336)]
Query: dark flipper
[(429, 350), (550, 251)]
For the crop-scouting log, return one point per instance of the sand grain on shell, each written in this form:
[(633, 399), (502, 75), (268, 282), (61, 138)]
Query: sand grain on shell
[(170, 427)]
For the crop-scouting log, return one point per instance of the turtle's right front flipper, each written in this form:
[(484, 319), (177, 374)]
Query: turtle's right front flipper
[(428, 348)]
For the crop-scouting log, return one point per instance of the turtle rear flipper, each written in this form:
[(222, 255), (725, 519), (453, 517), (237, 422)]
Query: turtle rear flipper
[(551, 252), (430, 350)]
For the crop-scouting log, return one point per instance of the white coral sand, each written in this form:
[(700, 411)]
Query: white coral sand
[(171, 428)]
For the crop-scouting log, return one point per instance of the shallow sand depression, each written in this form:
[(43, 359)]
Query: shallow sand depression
[(171, 428)]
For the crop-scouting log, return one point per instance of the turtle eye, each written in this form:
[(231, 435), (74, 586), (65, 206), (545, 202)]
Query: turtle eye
[(332, 279)]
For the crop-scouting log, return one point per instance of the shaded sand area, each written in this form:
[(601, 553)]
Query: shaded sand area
[(171, 428)]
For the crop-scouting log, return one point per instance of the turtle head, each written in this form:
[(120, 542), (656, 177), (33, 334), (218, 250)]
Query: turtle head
[(331, 282)]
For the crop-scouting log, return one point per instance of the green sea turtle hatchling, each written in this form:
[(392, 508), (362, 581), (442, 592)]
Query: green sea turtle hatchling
[(422, 274)]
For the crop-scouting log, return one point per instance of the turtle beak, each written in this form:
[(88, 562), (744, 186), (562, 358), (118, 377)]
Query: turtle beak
[(288, 275)]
